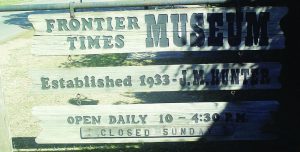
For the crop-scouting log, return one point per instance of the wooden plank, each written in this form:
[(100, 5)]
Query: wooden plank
[(225, 76), (164, 122), (5, 140), (137, 31)]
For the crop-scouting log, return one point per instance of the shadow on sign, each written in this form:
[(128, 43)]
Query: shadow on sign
[(202, 145)]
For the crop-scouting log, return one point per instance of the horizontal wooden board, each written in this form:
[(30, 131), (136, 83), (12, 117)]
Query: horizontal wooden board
[(164, 122), (5, 136), (226, 76), (157, 30)]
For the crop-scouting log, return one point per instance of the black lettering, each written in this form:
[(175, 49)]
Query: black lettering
[(82, 43), (74, 24), (182, 131), (192, 131), (143, 118), (78, 119), (99, 23), (133, 22), (50, 25), (110, 133), (235, 74), (62, 25), (87, 120), (157, 30), (118, 82), (72, 40), (215, 78), (70, 120), (45, 84), (214, 20), (100, 83), (183, 79), (121, 120), (93, 43), (87, 24), (138, 132), (127, 81), (224, 75), (109, 26), (120, 132), (198, 77), (120, 23), (112, 119), (197, 37), (147, 132), (119, 41), (103, 132), (129, 132), (177, 40), (245, 73), (62, 83), (257, 29), (133, 121), (78, 83), (70, 84), (165, 131), (107, 42), (234, 30), (54, 84), (96, 120), (109, 82), (86, 81), (93, 83)]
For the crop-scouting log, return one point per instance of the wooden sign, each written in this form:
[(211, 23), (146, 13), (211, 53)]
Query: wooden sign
[(188, 29), (225, 76), (165, 122), (5, 137)]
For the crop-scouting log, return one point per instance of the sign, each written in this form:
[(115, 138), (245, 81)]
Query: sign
[(187, 29), (165, 122), (5, 137), (225, 76)]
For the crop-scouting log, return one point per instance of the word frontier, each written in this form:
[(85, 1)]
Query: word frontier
[(194, 30)]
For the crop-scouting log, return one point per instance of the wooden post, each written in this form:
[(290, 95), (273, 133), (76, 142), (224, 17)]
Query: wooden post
[(5, 140)]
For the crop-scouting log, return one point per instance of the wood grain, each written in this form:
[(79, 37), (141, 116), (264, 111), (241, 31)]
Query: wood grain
[(55, 42), (248, 120), (158, 78), (5, 140)]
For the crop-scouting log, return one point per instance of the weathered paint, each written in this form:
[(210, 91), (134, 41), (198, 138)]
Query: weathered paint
[(189, 29), (164, 122), (5, 140), (225, 76)]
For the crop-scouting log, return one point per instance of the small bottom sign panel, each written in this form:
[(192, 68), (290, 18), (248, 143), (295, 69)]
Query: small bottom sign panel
[(166, 122)]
